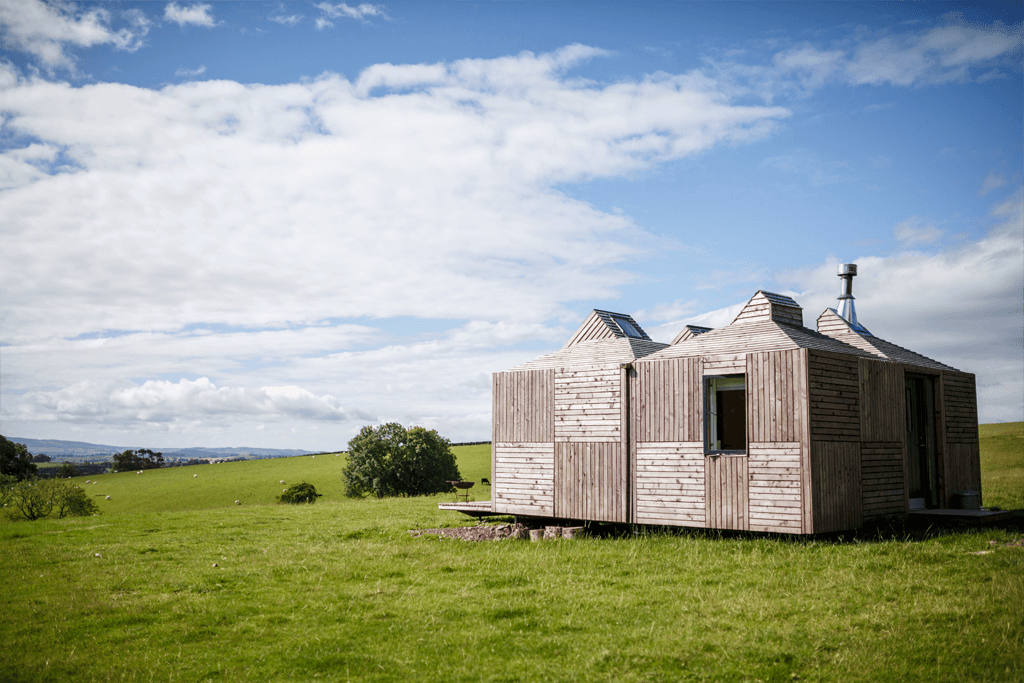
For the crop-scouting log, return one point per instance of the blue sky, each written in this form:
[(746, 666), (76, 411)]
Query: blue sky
[(268, 224)]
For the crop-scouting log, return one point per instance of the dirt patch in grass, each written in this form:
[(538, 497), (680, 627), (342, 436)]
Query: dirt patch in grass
[(470, 533)]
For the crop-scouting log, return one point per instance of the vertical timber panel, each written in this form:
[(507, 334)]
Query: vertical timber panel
[(726, 487)]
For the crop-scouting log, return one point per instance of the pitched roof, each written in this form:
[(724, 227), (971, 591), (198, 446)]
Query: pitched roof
[(690, 331), (769, 322), (607, 325), (837, 327), (770, 306), (595, 352), (604, 337)]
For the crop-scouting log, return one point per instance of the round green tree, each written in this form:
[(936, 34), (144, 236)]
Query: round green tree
[(391, 460)]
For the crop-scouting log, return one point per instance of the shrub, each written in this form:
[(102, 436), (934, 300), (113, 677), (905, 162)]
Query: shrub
[(392, 461), (299, 493), (37, 498), (31, 499), (71, 500)]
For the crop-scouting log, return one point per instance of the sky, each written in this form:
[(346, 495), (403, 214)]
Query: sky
[(270, 224)]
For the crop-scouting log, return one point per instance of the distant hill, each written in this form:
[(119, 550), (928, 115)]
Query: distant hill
[(81, 450)]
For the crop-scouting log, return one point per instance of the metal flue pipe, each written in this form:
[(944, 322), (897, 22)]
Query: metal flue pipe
[(846, 310)]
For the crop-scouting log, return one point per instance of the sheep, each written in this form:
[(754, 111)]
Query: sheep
[(195, 475), (282, 481), (238, 502), (108, 497), (86, 481)]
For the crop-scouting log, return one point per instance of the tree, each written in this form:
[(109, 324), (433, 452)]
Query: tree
[(390, 460), (74, 501), (31, 499), (41, 457), (68, 470), (142, 459), (15, 460), (299, 493)]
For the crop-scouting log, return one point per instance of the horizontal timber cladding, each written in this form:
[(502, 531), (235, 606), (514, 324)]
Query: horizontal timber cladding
[(961, 404), (834, 396), (775, 499), (725, 490), (523, 481), (962, 468), (882, 398), (881, 479), (668, 398), (591, 482), (836, 486), (670, 483), (524, 406), (588, 404), (776, 395)]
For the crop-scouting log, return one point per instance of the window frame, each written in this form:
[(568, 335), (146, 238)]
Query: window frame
[(712, 384)]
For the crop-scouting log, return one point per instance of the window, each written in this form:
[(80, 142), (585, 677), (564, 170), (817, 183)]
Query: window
[(725, 413), (627, 327)]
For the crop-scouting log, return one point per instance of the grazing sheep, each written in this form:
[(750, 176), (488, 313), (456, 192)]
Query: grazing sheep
[(282, 481), (108, 497), (238, 502), (86, 481), (195, 475)]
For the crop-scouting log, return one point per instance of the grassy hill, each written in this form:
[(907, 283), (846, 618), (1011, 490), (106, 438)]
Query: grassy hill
[(1002, 465), (175, 582)]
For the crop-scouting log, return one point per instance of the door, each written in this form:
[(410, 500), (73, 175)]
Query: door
[(922, 463)]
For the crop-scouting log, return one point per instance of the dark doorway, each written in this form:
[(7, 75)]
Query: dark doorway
[(922, 463)]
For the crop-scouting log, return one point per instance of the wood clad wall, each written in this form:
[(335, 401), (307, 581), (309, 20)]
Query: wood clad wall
[(961, 402), (962, 455), (670, 483), (726, 489), (836, 484), (882, 398), (775, 497), (668, 398), (883, 484), (523, 478), (835, 397), (776, 396), (588, 404), (590, 482), (523, 406)]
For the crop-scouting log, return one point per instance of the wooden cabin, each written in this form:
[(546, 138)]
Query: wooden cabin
[(762, 425)]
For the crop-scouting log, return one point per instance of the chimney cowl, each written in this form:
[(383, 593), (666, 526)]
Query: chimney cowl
[(846, 310)]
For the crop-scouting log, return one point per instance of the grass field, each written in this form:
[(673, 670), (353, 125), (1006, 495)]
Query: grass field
[(340, 591), (1002, 465)]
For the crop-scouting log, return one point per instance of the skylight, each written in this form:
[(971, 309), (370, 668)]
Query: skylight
[(627, 327)]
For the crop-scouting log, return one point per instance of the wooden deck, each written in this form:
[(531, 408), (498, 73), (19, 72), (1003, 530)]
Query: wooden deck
[(982, 516), (474, 508)]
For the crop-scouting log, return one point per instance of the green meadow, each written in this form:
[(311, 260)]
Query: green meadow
[(175, 582)]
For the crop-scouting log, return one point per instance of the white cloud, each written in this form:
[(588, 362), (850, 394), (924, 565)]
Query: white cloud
[(196, 15), (282, 17), (960, 306), (46, 30), (915, 230), (992, 182), (183, 402), (182, 72), (433, 203), (344, 11), (416, 190), (953, 51)]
